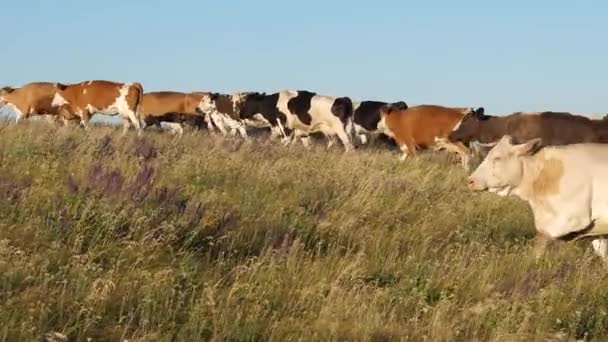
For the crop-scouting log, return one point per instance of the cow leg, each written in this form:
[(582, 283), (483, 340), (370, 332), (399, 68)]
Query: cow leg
[(289, 139), (243, 131), (51, 119), (540, 245), (234, 126), (130, 116), (407, 148), (404, 151), (600, 246), (305, 141), (371, 138), (175, 128), (345, 141), (19, 115), (219, 123), (68, 122), (363, 139), (274, 132), (125, 125), (150, 121), (209, 121), (465, 156), (331, 140), (459, 148), (84, 120)]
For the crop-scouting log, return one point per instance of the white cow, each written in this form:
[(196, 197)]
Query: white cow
[(566, 187)]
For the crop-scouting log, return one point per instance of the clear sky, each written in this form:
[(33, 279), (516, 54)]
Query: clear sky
[(504, 55)]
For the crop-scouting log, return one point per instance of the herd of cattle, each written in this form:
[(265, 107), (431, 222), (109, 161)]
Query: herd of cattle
[(556, 161)]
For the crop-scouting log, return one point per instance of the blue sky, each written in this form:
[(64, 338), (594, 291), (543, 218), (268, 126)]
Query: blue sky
[(506, 56)]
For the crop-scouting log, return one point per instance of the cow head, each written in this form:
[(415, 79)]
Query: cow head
[(470, 125), (3, 92), (251, 105), (59, 99), (207, 104), (502, 170), (390, 108), (61, 86), (238, 101)]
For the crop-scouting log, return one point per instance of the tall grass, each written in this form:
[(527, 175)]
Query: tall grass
[(105, 237)]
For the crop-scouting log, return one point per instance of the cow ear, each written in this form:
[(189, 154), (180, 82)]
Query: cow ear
[(506, 139), (386, 109), (400, 105), (480, 111), (60, 86), (529, 148), (7, 90), (481, 149), (485, 145)]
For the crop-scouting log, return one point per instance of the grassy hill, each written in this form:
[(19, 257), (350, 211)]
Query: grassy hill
[(105, 237)]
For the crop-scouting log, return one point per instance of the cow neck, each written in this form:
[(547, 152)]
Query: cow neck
[(603, 124), (531, 168), (492, 129)]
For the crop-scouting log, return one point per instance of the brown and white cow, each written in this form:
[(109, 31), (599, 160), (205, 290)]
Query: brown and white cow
[(224, 113), (104, 97), (31, 99), (424, 126), (173, 108)]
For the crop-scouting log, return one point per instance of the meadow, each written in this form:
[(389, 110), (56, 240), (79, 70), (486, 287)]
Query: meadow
[(106, 237)]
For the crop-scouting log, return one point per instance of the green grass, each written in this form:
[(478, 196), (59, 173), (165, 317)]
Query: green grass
[(107, 238)]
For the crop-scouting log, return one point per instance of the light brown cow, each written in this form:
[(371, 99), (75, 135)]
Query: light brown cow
[(173, 108), (424, 126), (34, 98), (103, 97)]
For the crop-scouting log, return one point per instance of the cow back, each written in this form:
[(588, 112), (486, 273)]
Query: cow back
[(423, 124)]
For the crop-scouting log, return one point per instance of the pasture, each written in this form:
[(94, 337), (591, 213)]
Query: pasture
[(166, 238)]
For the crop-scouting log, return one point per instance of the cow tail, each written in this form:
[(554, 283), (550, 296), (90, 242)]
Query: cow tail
[(343, 108), (140, 100)]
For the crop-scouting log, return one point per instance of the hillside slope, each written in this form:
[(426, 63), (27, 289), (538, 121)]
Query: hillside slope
[(193, 238)]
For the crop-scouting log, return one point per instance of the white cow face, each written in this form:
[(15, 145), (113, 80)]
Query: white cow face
[(502, 169), (207, 104)]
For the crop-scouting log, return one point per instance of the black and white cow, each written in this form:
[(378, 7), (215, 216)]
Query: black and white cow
[(289, 114), (297, 114), (367, 119)]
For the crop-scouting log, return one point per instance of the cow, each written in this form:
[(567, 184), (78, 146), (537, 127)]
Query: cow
[(34, 98), (84, 99), (296, 114), (554, 128), (173, 108), (367, 119), (224, 113), (566, 187), (426, 126)]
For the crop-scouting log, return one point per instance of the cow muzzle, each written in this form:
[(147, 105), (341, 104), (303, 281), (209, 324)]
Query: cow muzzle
[(475, 185)]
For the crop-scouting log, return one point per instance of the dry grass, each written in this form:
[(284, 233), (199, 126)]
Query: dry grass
[(106, 237)]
